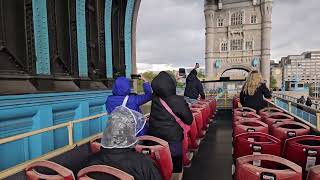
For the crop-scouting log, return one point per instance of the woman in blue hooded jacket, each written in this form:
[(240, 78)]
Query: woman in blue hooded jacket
[(121, 89)]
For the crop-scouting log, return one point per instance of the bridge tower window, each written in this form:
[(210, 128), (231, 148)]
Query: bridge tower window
[(236, 18), (224, 47), (220, 22), (236, 44), (249, 45), (253, 19)]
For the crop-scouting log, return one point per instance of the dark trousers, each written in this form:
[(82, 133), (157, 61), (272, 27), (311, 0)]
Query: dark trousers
[(176, 155)]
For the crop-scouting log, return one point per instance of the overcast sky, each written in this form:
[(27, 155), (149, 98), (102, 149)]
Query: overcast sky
[(171, 33)]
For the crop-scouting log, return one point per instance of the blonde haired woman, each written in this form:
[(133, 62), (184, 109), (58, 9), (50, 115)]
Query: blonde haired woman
[(254, 91)]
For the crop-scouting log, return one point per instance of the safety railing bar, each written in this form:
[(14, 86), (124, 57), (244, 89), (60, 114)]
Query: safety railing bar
[(298, 104), (89, 118), (314, 127)]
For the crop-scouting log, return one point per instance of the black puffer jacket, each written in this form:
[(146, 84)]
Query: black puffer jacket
[(162, 124), (194, 87), (140, 166)]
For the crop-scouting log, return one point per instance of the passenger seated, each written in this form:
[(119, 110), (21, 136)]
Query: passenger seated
[(161, 123), (121, 89), (118, 141), (254, 91), (194, 87)]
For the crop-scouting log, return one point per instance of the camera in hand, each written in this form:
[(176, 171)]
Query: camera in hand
[(182, 72), (135, 76)]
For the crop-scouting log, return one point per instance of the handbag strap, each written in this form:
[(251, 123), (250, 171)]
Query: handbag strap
[(124, 103), (166, 106), (185, 127)]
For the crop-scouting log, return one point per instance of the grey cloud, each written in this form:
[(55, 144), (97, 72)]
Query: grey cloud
[(173, 31)]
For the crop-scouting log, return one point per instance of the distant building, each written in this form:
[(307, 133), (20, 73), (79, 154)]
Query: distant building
[(304, 67), (276, 73)]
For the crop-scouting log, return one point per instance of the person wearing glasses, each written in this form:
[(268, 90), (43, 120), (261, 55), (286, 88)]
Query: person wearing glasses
[(254, 91)]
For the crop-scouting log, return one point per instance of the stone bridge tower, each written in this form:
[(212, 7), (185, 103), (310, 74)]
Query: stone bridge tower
[(238, 35)]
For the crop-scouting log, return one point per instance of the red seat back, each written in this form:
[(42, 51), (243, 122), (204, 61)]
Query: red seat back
[(193, 135), (314, 173), (199, 118), (256, 143), (204, 111), (160, 153), (62, 172), (235, 102), (246, 171), (243, 109), (303, 150), (94, 145), (269, 110), (209, 107), (286, 130), (279, 117), (246, 116), (83, 173), (244, 126)]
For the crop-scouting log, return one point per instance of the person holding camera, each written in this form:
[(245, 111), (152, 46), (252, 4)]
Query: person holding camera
[(121, 89), (194, 86)]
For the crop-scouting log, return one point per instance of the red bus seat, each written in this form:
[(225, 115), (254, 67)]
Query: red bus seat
[(159, 152), (83, 173), (239, 111), (94, 145), (303, 150), (193, 136), (209, 107), (256, 143), (277, 118), (269, 110), (247, 171), (235, 102), (286, 130), (198, 118), (244, 126), (205, 112), (246, 116), (314, 173), (202, 124), (62, 172)]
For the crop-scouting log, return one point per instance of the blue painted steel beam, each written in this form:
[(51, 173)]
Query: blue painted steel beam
[(108, 37), (24, 113), (82, 38), (127, 36), (40, 25)]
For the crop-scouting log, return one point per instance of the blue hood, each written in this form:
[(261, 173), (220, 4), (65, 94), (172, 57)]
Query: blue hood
[(121, 87)]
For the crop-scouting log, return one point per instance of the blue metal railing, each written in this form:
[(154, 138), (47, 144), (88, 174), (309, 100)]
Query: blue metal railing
[(304, 113)]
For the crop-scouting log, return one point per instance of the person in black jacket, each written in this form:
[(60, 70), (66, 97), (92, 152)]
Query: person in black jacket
[(161, 123), (309, 102), (254, 91), (194, 86), (118, 141)]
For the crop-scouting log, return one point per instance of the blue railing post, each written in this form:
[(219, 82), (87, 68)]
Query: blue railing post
[(42, 143), (81, 130)]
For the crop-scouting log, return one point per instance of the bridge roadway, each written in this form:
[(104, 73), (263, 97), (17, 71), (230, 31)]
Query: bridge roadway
[(214, 158)]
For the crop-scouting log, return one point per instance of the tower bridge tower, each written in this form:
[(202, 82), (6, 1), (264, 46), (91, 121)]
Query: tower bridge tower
[(238, 36)]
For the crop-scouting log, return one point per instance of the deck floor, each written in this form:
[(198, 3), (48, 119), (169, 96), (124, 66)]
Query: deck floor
[(214, 158)]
